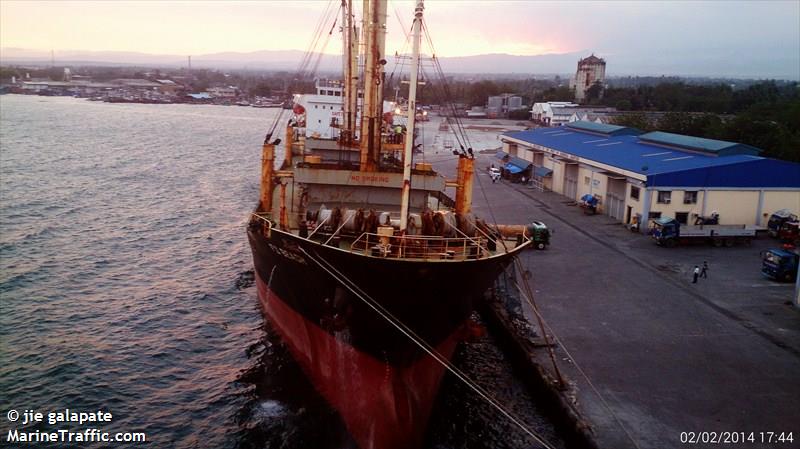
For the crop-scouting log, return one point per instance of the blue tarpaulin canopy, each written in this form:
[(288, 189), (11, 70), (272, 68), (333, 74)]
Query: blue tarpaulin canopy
[(542, 172), (589, 199), (522, 164), (513, 168)]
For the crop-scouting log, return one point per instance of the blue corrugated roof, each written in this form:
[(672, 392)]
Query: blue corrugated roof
[(755, 173), (600, 128), (629, 153), (718, 147), (625, 152), (519, 162)]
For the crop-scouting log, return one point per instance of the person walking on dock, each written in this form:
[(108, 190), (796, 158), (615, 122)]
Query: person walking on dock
[(704, 270), (695, 274)]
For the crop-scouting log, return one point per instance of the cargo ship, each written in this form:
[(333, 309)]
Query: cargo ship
[(365, 267)]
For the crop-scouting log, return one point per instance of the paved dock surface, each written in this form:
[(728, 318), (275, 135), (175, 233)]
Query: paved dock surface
[(663, 355)]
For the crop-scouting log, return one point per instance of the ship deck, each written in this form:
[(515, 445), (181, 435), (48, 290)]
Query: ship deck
[(407, 247)]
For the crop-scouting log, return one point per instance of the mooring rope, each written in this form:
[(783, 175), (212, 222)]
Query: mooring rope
[(416, 339), (532, 303), (583, 374)]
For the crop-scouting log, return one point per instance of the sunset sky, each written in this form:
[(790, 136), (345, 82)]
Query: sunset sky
[(459, 28)]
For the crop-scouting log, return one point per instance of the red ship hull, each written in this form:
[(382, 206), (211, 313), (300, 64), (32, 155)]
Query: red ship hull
[(383, 406), (382, 384)]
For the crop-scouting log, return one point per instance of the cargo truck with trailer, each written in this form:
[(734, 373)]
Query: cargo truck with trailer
[(669, 232)]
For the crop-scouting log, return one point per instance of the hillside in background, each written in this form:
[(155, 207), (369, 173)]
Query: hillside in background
[(768, 65)]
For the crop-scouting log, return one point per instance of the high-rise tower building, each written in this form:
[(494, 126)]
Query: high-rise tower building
[(590, 70)]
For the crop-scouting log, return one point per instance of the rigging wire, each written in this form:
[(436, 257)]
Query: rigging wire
[(320, 53), (309, 64), (459, 129), (318, 31), (547, 328), (416, 339), (551, 352)]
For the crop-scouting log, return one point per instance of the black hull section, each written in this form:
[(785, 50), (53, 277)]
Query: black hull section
[(433, 298)]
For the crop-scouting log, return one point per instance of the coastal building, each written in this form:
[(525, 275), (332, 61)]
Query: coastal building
[(552, 113), (590, 70), (500, 105), (223, 91), (639, 175), (65, 87), (558, 113), (168, 86), (134, 83)]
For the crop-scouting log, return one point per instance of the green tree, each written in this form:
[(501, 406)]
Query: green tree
[(594, 92), (261, 90), (479, 92), (624, 105), (636, 120)]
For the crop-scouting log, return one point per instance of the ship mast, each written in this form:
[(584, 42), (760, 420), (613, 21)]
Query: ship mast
[(412, 110), (372, 110), (350, 65)]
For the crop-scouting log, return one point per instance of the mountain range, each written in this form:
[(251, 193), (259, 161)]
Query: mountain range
[(766, 65)]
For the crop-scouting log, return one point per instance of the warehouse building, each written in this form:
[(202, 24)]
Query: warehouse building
[(648, 175)]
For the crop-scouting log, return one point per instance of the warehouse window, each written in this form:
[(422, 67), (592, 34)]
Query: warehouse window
[(586, 180), (664, 197), (682, 217), (689, 197), (634, 193), (654, 215)]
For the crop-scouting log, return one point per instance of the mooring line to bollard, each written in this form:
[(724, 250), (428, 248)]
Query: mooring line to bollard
[(427, 348), (561, 383), (583, 374)]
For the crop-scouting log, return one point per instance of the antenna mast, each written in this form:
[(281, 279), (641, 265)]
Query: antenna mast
[(412, 110)]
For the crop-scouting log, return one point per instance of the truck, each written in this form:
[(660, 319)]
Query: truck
[(790, 233), (780, 264), (495, 174), (669, 232), (777, 219), (537, 232)]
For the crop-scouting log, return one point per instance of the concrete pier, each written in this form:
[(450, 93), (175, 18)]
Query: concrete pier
[(652, 354)]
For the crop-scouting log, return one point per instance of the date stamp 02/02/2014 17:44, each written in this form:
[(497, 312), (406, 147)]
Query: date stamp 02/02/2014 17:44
[(738, 438)]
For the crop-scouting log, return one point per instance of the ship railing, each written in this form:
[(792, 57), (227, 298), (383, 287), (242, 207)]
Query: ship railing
[(421, 247), (263, 216), (262, 220)]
